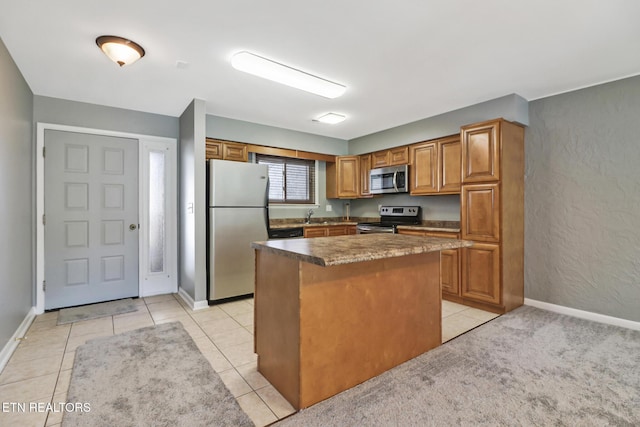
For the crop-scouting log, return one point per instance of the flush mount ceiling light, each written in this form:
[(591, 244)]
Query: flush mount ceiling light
[(271, 70), (119, 50), (331, 118)]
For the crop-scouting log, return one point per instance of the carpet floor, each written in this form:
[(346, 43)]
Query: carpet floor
[(95, 311), (529, 367), (154, 376)]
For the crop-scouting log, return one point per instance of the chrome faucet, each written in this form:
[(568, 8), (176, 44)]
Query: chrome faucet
[(308, 217)]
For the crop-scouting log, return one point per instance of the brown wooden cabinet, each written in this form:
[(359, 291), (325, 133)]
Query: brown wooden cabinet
[(450, 271), (449, 260), (380, 159), (449, 164), (424, 168), (480, 208), (365, 168), (481, 273), (315, 231), (343, 178), (226, 150), (435, 166), (213, 149), (234, 151), (481, 152), (390, 157), (399, 156), (492, 215), (329, 230)]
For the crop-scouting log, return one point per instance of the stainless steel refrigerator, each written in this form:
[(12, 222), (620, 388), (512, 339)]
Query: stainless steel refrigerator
[(237, 199)]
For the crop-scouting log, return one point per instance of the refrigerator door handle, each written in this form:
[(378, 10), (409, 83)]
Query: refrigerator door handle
[(266, 207)]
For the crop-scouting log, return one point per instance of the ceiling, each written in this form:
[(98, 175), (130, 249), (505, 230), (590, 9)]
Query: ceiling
[(401, 61)]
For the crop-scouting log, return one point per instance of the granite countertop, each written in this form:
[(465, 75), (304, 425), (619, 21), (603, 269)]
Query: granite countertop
[(329, 251), (426, 225), (314, 223), (429, 228), (434, 225)]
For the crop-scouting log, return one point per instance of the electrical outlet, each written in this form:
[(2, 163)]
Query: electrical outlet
[(328, 208)]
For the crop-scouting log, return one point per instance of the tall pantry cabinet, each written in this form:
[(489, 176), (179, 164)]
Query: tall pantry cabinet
[(492, 215)]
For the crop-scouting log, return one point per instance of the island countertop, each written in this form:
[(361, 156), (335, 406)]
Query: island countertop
[(338, 250)]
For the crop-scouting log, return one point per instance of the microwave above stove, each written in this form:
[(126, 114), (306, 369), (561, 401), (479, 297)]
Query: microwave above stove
[(392, 179)]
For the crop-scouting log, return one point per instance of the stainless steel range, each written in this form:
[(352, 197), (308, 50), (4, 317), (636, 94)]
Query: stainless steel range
[(390, 218)]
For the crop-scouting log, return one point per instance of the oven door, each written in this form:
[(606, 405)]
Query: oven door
[(371, 229)]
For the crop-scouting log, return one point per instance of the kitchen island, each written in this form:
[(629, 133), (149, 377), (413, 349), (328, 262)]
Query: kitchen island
[(332, 312)]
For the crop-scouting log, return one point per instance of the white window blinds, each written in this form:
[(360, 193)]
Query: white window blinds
[(290, 180)]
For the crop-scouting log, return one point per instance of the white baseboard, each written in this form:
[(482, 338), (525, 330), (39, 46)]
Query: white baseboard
[(588, 315), (11, 346), (195, 305)]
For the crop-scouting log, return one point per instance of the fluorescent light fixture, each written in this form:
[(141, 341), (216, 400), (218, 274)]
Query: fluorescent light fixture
[(267, 69), (331, 118), (120, 50)]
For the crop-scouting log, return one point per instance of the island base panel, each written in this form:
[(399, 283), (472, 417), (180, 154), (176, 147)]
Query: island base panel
[(354, 322), (276, 323)]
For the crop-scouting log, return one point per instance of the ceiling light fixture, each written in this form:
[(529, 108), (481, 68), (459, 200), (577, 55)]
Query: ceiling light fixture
[(119, 50), (271, 70), (331, 118)]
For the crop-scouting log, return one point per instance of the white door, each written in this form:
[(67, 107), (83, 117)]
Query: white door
[(91, 218)]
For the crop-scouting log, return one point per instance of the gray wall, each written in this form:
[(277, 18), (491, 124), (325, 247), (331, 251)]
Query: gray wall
[(81, 114), (16, 197), (254, 133), (446, 207), (443, 207), (582, 200), (511, 107), (192, 209)]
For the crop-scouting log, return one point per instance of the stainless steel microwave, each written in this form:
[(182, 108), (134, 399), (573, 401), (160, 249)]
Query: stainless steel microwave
[(392, 179)]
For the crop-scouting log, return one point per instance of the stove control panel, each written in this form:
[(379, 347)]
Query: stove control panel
[(400, 211)]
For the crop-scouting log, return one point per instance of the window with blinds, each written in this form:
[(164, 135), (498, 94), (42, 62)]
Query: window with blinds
[(290, 180)]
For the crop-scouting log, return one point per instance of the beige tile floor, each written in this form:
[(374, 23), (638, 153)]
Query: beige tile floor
[(40, 368)]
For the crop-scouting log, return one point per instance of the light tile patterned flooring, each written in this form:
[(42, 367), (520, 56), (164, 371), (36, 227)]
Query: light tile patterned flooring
[(40, 368)]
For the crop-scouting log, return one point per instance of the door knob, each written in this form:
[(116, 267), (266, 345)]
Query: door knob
[(132, 227)]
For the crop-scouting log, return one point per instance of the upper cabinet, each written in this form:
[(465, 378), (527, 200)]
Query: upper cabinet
[(449, 163), (424, 170), (226, 150), (481, 152), (343, 178), (234, 151), (213, 149), (365, 168), (390, 157), (435, 166), (348, 177)]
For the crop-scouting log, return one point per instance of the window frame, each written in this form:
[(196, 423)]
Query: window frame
[(312, 183)]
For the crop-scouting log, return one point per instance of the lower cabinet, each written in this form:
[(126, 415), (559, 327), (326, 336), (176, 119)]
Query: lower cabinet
[(329, 230), (449, 271), (481, 273), (470, 276), (449, 261)]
